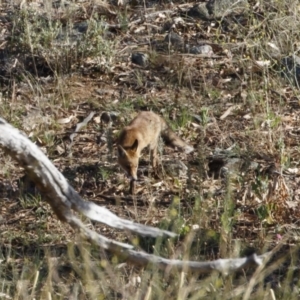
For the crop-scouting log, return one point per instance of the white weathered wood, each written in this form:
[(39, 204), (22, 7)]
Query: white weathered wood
[(59, 194), (63, 199)]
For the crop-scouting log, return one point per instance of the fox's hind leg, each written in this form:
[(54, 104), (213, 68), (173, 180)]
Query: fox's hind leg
[(153, 157)]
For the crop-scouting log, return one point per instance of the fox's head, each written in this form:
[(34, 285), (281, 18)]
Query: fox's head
[(128, 159)]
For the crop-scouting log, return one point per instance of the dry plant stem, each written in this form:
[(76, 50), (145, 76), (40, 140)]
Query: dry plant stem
[(63, 198)]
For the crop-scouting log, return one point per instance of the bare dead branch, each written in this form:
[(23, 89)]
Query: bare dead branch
[(63, 198), (58, 193), (224, 266)]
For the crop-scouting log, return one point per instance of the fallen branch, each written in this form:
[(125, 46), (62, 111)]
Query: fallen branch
[(57, 191), (63, 199)]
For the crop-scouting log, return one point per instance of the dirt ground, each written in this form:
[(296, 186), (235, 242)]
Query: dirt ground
[(238, 190)]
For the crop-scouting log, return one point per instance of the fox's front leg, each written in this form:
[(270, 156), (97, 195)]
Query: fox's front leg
[(132, 187)]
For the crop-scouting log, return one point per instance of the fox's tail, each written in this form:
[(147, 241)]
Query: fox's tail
[(171, 138)]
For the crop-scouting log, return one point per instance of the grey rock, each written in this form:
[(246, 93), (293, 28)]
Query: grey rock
[(215, 9), (140, 59), (201, 49), (222, 8), (175, 168), (174, 40), (225, 162), (81, 27), (232, 166), (199, 11), (291, 69), (107, 117)]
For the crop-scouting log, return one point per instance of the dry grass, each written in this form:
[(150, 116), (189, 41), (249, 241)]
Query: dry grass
[(240, 191)]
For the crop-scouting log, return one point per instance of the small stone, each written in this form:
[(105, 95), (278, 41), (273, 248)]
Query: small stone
[(201, 49), (199, 11), (175, 40), (140, 59)]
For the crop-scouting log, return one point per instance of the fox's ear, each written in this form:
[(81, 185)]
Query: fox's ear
[(135, 145), (121, 151)]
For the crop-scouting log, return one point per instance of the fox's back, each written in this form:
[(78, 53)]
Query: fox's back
[(145, 127), (147, 120)]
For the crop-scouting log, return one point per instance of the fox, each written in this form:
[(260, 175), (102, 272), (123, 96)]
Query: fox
[(144, 131)]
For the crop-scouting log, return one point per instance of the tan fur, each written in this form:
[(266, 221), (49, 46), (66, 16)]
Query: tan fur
[(143, 131)]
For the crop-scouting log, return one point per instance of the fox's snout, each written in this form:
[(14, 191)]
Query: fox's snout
[(131, 173), (132, 177), (128, 159)]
